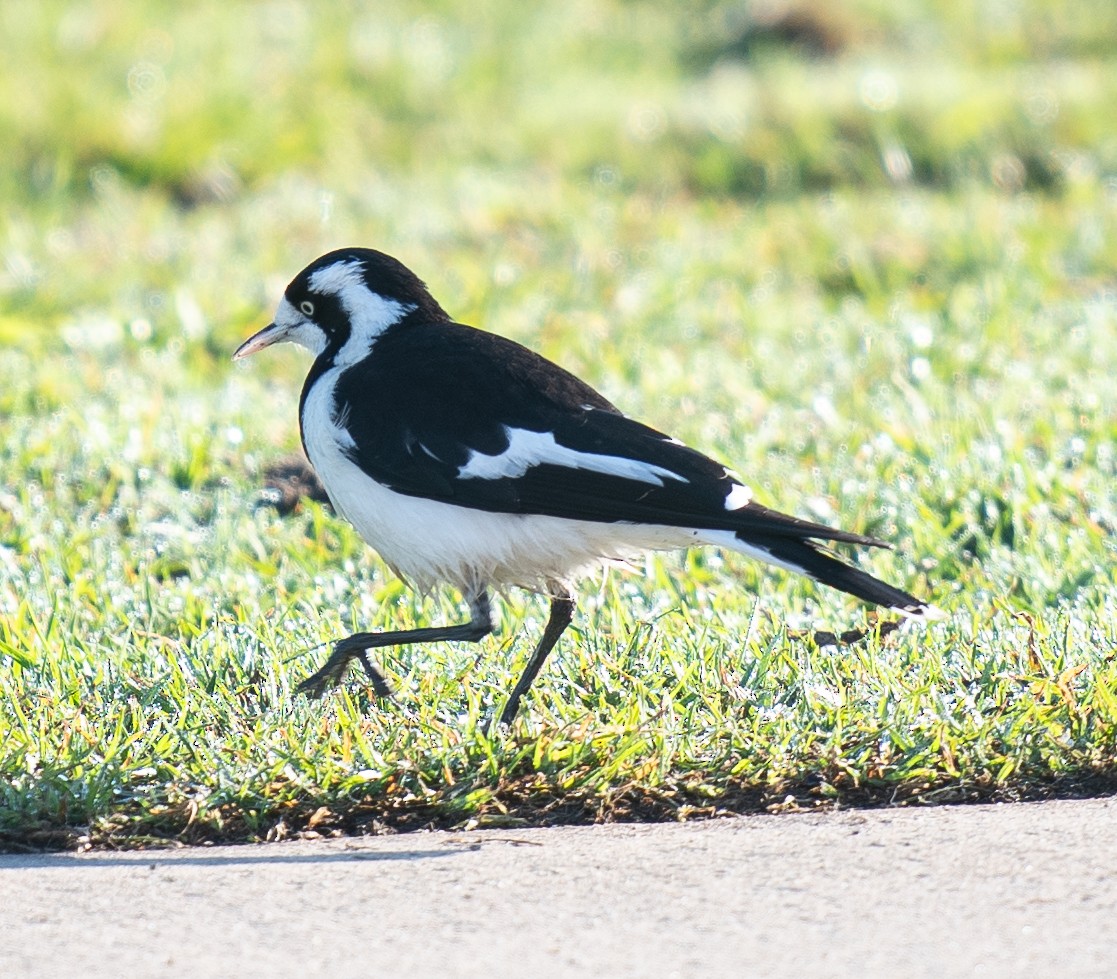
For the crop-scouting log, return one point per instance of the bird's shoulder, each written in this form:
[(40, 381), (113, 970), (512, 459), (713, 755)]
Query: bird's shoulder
[(451, 366)]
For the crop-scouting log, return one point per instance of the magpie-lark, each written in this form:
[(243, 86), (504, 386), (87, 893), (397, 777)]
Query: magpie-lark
[(467, 459)]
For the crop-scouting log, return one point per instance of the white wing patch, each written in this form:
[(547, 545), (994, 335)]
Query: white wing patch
[(370, 314), (738, 497), (527, 449)]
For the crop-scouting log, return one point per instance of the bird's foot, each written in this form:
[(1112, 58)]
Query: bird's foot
[(333, 669)]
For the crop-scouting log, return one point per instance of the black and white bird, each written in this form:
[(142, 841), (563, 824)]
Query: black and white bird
[(466, 459)]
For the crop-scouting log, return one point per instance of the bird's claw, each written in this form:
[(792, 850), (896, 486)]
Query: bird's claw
[(333, 669)]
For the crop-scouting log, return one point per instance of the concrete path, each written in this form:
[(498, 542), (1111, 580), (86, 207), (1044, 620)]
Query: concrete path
[(1011, 890)]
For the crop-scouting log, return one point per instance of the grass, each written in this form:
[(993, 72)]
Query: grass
[(879, 281)]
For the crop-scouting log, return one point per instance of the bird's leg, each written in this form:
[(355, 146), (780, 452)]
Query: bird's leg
[(356, 646), (562, 611)]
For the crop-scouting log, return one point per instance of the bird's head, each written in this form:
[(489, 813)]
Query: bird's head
[(341, 302)]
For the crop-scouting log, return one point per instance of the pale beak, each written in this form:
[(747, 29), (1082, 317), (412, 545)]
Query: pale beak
[(272, 333)]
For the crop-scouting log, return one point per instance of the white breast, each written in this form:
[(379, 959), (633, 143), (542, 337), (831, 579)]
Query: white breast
[(428, 542)]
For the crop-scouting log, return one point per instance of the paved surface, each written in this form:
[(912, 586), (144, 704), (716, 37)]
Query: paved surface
[(965, 891)]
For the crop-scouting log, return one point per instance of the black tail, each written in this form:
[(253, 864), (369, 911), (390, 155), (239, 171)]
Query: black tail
[(809, 558)]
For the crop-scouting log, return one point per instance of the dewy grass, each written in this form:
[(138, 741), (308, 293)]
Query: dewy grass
[(734, 250)]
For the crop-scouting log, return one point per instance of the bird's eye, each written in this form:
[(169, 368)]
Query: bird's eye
[(307, 307)]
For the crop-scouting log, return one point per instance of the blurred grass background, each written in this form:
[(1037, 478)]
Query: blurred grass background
[(865, 252)]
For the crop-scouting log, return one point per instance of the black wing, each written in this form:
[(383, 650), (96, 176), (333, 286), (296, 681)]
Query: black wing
[(435, 397)]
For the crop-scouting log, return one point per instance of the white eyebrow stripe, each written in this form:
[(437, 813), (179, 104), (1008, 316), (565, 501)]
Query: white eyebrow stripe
[(527, 449), (370, 314)]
